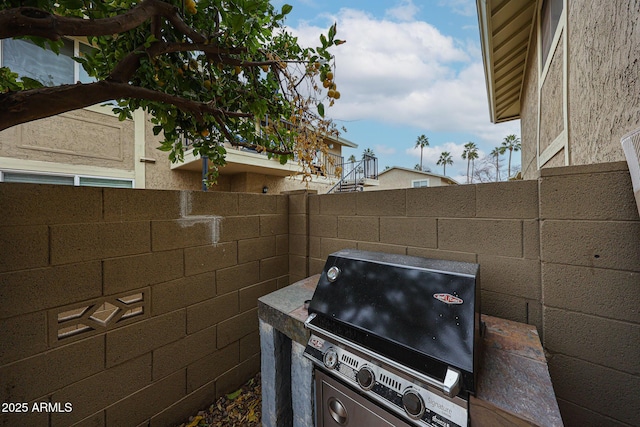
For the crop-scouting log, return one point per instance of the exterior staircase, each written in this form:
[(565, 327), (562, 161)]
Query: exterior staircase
[(357, 175)]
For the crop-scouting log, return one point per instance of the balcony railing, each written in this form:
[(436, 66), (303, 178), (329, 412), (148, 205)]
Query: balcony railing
[(354, 175)]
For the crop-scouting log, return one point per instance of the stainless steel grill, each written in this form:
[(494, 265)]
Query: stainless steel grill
[(401, 333)]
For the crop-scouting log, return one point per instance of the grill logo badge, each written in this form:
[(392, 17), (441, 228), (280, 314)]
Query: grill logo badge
[(448, 298)]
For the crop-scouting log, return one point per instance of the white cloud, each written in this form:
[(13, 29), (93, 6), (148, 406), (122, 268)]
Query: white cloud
[(408, 73), (405, 11)]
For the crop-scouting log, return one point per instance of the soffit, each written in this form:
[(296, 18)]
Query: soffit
[(505, 31)]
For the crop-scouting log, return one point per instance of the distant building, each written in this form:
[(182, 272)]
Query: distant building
[(92, 147), (398, 177)]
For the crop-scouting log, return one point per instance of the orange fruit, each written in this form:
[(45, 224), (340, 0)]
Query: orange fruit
[(329, 75), (204, 132)]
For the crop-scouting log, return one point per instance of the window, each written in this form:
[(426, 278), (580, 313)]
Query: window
[(549, 19), (83, 77), (56, 179), (27, 59), (419, 183)]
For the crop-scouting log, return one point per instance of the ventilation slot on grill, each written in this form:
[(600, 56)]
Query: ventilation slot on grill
[(631, 147), (349, 361), (391, 383)]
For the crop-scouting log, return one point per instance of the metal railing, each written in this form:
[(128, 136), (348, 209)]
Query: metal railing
[(331, 164), (355, 173)]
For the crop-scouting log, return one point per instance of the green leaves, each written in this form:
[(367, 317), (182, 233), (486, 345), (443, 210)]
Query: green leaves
[(71, 4), (286, 9), (197, 93), (29, 83)]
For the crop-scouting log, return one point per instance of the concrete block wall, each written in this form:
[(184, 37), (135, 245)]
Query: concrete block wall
[(590, 259), (136, 307), (561, 252), (495, 225)]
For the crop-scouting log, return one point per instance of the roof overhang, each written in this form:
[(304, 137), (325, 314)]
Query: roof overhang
[(240, 161), (506, 28)]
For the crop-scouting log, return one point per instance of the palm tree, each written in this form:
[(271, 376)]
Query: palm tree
[(368, 153), (496, 155), (444, 160), (511, 143), (422, 142), (470, 153)]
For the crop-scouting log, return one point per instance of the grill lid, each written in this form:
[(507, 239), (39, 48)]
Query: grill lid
[(422, 312)]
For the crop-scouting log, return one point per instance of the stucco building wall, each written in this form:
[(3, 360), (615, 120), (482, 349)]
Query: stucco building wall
[(402, 178), (602, 86), (529, 116), (604, 78), (90, 142)]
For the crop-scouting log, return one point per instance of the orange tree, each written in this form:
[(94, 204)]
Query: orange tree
[(205, 70)]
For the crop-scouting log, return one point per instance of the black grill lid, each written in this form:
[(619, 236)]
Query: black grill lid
[(421, 312)]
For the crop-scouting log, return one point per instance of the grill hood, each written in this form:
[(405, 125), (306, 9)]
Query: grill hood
[(423, 313)]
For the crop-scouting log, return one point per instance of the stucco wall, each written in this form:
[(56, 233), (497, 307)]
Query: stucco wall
[(602, 89), (604, 78), (552, 113), (397, 178), (529, 115), (81, 137)]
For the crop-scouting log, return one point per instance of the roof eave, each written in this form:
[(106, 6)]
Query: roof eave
[(506, 29)]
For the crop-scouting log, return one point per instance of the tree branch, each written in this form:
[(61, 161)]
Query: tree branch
[(28, 21), (34, 104), (126, 68)]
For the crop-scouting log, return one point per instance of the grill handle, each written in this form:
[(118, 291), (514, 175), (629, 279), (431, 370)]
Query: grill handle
[(450, 386)]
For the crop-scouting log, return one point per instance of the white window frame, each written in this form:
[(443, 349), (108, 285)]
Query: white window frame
[(561, 141), (415, 181), (76, 53), (76, 177)]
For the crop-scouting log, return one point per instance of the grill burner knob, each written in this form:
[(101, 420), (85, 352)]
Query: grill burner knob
[(330, 358), (366, 378), (413, 404), (333, 274)]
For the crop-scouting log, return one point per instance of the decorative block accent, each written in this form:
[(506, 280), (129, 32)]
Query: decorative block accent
[(99, 315)]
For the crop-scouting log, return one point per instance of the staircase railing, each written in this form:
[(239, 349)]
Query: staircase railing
[(354, 174)]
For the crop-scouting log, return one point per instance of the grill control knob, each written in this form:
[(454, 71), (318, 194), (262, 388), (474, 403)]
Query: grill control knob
[(413, 403), (366, 378), (330, 358), (333, 273)]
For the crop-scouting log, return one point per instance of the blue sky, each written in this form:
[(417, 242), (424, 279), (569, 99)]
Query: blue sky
[(408, 68)]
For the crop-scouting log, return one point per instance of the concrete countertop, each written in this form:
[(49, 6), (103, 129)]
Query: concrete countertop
[(514, 386)]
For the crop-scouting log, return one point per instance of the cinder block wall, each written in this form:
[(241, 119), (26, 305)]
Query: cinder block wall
[(561, 252), (493, 224), (590, 258), (178, 272), (183, 270)]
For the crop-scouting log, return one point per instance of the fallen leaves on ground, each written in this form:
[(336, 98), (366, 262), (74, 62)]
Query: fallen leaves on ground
[(240, 408)]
